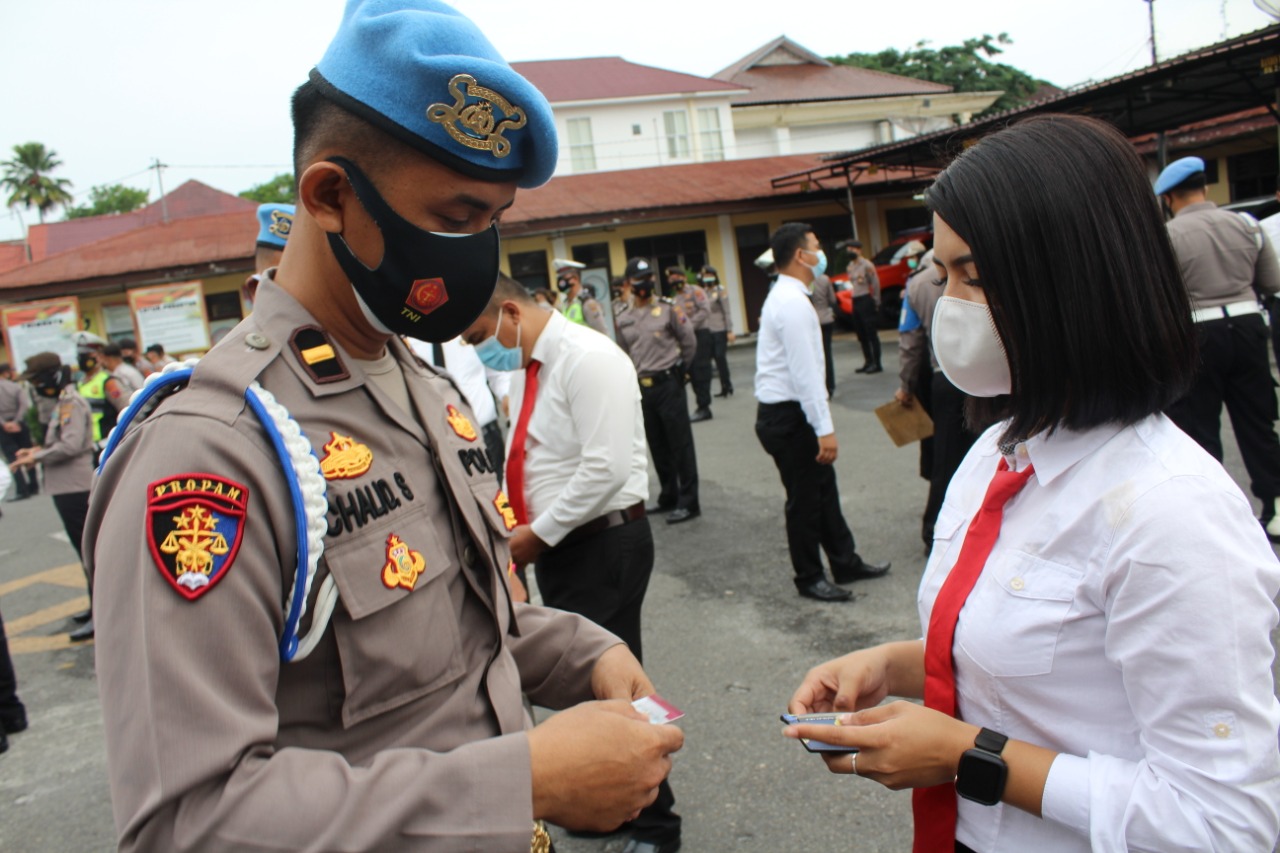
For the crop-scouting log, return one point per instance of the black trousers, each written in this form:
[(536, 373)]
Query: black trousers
[(73, 508), (11, 708), (951, 441), (670, 437), (720, 352), (26, 479), (700, 370), (812, 511), (604, 578), (827, 330), (866, 322), (1235, 369)]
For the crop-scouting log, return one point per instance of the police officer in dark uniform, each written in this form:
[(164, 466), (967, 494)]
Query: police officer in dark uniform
[(693, 301), (660, 341), (1226, 263)]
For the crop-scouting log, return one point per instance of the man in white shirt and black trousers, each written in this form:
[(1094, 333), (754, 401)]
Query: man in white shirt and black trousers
[(577, 481), (793, 421)]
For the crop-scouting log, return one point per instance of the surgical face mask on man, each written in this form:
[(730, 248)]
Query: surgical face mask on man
[(497, 356), (969, 349), (821, 266)]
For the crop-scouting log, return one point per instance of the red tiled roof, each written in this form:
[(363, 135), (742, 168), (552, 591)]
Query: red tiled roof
[(606, 77), (12, 254), (190, 199), (194, 241), (776, 84), (628, 194), (1219, 129)]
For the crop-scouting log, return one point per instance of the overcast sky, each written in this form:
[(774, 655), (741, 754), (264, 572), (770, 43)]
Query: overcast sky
[(204, 86)]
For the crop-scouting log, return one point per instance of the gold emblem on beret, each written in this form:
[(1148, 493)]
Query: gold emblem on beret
[(473, 124), (281, 223)]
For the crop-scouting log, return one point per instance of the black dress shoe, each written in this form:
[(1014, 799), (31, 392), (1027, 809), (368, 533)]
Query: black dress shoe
[(679, 515), (658, 508), (82, 617), (636, 845), (863, 369), (84, 632), (700, 415), (13, 725), (823, 590), (861, 572), (725, 392), (4, 742), (875, 368)]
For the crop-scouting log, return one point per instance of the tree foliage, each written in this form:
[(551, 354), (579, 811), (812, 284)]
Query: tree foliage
[(109, 198), (279, 190), (28, 181), (966, 67)]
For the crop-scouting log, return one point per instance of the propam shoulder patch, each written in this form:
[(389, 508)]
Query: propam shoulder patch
[(317, 355), (195, 523)]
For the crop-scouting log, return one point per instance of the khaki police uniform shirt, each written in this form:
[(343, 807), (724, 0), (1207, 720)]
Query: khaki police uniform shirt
[(823, 297), (656, 336), (923, 291), (1223, 256), (67, 454), (593, 313), (13, 401), (404, 729), (692, 300), (718, 319), (864, 279)]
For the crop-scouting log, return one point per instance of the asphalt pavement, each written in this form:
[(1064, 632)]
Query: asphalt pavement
[(727, 639)]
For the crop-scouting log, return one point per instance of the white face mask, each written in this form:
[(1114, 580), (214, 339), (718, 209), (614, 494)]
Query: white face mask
[(968, 348)]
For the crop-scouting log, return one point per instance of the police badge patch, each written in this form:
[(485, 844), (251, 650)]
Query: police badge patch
[(195, 523)]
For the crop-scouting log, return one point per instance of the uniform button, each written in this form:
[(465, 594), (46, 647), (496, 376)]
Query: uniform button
[(1017, 584), (469, 556), (256, 341), (1222, 730)]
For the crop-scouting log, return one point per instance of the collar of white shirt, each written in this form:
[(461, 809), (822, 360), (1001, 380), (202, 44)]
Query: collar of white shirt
[(792, 281), (547, 346), (1053, 454)]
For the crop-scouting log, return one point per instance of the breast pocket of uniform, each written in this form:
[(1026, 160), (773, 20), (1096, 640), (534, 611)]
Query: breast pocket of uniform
[(1011, 622), (397, 632)]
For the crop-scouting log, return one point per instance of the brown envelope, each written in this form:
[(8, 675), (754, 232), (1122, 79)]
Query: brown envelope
[(905, 424)]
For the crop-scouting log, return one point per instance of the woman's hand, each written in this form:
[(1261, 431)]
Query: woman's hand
[(900, 745), (862, 679)]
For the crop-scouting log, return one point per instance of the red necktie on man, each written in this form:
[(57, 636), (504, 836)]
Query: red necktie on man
[(934, 808), (515, 460)]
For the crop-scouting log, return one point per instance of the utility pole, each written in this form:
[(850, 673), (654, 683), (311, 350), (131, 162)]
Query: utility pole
[(164, 206), (1151, 23)]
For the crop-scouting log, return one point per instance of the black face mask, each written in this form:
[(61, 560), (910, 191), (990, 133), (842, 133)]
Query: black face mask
[(86, 362), (429, 286), (50, 383), (642, 290)]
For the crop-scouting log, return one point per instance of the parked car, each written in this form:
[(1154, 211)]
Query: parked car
[(893, 268)]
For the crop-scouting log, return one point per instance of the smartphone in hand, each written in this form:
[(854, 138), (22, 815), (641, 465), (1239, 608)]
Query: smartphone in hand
[(817, 720)]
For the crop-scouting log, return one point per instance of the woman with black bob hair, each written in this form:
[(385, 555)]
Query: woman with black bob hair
[(1098, 602)]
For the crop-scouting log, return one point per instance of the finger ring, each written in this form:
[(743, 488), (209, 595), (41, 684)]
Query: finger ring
[(853, 762)]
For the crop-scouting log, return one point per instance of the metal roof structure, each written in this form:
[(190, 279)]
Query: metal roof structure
[(1233, 76)]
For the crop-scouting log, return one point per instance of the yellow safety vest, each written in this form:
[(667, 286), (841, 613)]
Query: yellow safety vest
[(95, 391)]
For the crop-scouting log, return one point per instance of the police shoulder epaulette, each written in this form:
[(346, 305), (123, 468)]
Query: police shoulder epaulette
[(317, 355), (667, 299)]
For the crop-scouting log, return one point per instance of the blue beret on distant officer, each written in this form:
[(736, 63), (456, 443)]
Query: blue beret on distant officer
[(275, 221), (1177, 172), (425, 74)]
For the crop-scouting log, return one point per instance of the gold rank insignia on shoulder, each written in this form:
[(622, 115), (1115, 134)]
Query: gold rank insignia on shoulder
[(473, 124), (503, 506), (195, 523), (345, 458), (403, 564), (460, 423)]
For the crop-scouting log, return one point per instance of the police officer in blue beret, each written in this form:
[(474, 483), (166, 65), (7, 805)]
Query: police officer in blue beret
[(275, 221), (1227, 263), (305, 639)]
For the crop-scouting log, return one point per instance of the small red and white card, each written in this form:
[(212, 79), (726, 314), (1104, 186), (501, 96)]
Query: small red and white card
[(658, 710)]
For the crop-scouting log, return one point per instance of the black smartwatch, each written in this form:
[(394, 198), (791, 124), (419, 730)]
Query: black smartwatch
[(982, 771)]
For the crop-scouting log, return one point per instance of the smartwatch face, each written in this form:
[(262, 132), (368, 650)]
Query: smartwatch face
[(981, 777)]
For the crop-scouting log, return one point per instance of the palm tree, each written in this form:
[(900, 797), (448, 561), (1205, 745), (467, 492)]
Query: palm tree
[(27, 179)]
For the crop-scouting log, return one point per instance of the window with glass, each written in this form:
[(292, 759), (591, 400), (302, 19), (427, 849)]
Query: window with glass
[(709, 135), (582, 149), (676, 125)]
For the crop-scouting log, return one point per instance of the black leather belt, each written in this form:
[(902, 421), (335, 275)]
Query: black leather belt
[(651, 379), (617, 518)]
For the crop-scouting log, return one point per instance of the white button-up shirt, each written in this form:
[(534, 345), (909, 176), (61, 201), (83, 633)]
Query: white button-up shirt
[(585, 454), (790, 366), (1123, 620)]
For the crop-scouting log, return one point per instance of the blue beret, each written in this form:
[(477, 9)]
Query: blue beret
[(425, 74), (1177, 172), (275, 221)]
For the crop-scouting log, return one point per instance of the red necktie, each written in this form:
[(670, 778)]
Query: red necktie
[(934, 809), (515, 461)]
